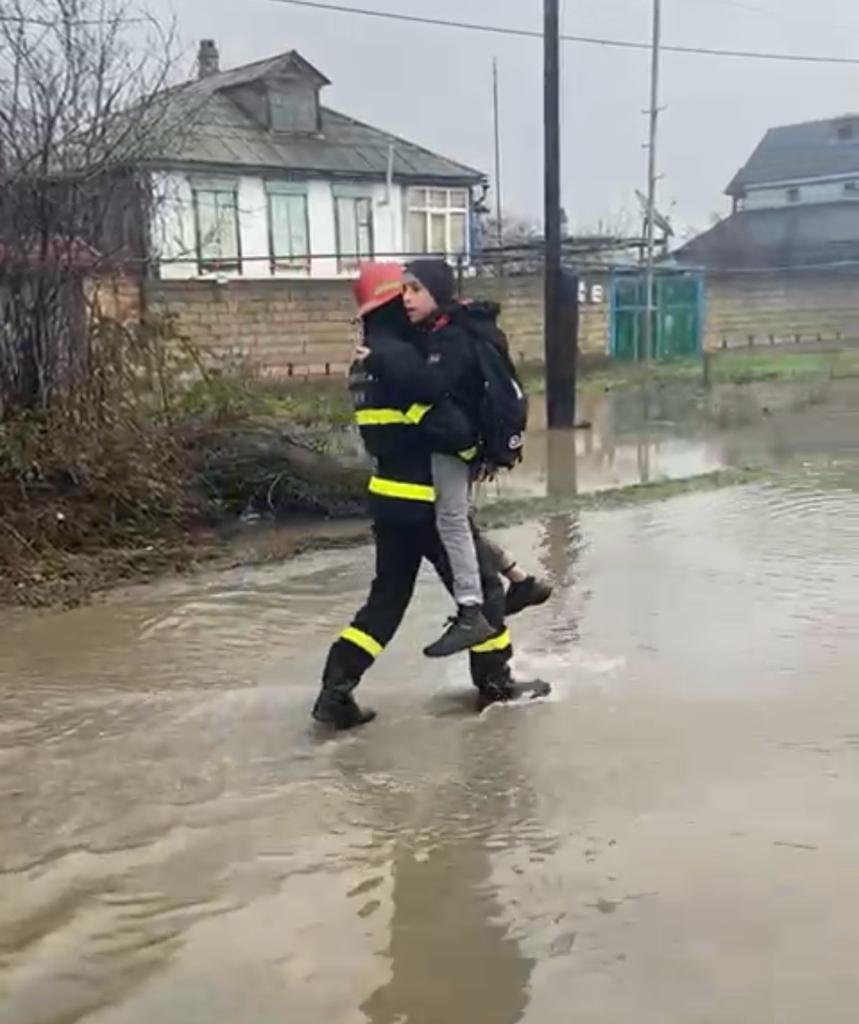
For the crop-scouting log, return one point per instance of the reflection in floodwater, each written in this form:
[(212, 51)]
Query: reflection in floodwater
[(619, 449), (561, 541), (482, 976), (687, 433), (451, 955)]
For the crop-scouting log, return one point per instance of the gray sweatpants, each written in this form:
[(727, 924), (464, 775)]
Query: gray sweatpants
[(452, 481)]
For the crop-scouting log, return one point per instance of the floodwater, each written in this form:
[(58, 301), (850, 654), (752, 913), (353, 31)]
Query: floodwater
[(672, 838)]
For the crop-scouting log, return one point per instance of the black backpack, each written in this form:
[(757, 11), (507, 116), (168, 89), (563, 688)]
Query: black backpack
[(503, 413)]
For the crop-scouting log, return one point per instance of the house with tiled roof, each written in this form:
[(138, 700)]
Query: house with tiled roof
[(263, 181)]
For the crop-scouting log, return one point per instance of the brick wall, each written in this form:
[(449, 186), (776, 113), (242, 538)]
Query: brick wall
[(745, 309), (283, 328), (303, 328)]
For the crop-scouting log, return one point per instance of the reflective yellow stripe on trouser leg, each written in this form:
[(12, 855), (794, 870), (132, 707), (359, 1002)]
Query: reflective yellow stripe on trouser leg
[(498, 643), (363, 640)]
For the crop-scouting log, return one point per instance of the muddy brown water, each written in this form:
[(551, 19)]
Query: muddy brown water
[(672, 838)]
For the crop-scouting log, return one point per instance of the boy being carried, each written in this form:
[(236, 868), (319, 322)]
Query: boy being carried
[(453, 384)]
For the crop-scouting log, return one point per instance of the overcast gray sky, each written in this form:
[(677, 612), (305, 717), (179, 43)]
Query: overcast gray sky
[(433, 85)]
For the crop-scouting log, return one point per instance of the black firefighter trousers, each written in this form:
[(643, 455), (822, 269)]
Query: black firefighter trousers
[(400, 550)]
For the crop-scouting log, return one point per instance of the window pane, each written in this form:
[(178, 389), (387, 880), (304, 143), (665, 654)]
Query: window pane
[(459, 199), (347, 236), (279, 212), (298, 226), (417, 198), (207, 222), (438, 198), (418, 233), (438, 233), (354, 231), (457, 233), (228, 238), (364, 213), (218, 234), (289, 231)]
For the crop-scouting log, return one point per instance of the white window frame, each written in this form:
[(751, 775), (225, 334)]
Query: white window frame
[(422, 199)]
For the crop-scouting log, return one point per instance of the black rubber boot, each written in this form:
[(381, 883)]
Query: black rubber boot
[(467, 630), (336, 707), (530, 593), (504, 689)]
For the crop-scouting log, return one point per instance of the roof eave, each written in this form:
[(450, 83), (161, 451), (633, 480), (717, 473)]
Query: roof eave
[(473, 178), (394, 139), (736, 187)]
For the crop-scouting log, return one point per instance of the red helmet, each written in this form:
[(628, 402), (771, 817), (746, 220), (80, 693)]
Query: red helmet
[(376, 284)]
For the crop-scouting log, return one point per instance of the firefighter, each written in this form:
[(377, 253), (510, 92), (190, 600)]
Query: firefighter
[(402, 508)]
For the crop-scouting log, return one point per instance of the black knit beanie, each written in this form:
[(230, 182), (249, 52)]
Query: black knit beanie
[(437, 277)]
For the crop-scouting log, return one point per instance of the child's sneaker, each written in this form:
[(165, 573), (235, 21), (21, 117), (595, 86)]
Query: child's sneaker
[(468, 629)]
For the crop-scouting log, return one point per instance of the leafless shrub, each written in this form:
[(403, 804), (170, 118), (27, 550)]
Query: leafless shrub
[(81, 108)]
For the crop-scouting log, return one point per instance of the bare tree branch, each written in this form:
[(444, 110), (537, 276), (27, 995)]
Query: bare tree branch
[(82, 109)]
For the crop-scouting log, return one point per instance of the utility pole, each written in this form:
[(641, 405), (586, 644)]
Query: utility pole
[(561, 303), (499, 227), (651, 182)]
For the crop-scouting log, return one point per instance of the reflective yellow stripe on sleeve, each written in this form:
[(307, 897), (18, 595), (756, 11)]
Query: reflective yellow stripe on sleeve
[(363, 640), (381, 418), (391, 417), (417, 412), (499, 643), (397, 489)]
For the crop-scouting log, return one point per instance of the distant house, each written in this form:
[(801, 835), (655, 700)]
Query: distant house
[(784, 266), (795, 165), (265, 182), (795, 202)]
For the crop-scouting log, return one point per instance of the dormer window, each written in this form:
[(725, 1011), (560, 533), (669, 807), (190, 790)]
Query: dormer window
[(282, 96), (293, 105)]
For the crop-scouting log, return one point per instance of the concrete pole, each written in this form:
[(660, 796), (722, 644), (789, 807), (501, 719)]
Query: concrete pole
[(559, 321), (499, 228), (651, 183)]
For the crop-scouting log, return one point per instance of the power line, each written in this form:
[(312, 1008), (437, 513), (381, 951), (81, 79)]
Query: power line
[(622, 44)]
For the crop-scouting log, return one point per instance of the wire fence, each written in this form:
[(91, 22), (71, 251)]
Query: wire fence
[(517, 258)]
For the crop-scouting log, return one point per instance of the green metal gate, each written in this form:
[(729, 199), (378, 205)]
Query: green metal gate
[(678, 315)]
